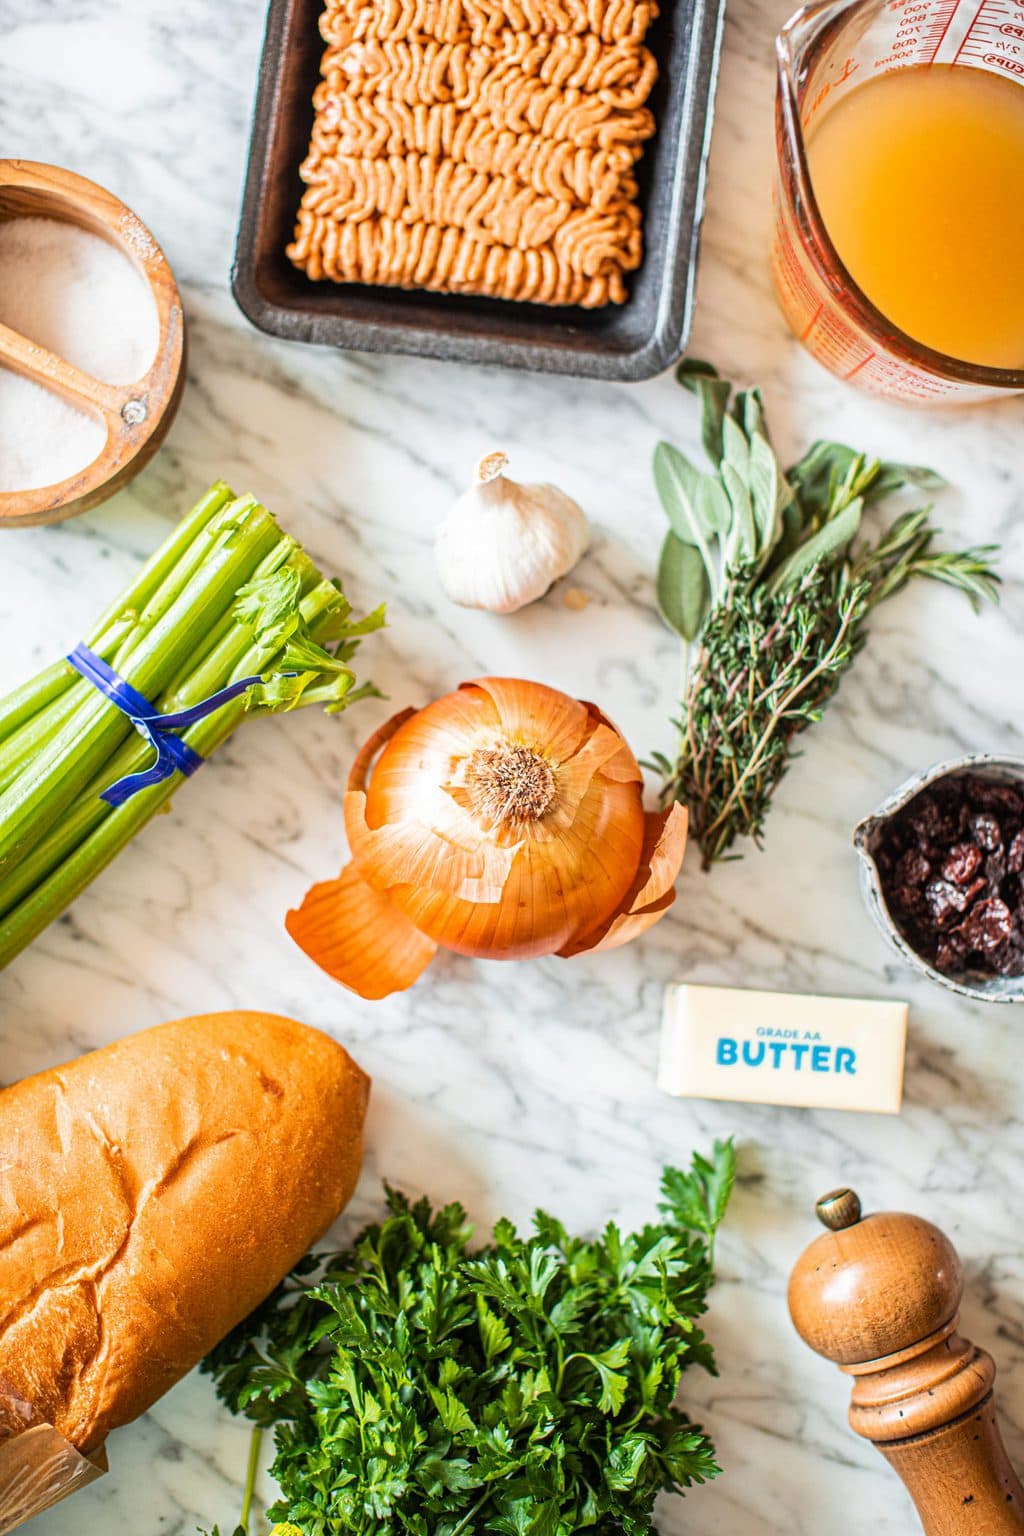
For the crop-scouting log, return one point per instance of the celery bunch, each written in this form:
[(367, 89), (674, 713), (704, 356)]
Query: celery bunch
[(228, 595)]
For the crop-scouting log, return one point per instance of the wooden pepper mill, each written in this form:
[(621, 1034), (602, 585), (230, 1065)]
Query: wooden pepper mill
[(881, 1297)]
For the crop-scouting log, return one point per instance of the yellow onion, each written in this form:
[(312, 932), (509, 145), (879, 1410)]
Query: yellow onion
[(503, 821)]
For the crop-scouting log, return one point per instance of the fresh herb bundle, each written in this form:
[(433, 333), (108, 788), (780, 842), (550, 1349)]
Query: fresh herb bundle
[(763, 577), (227, 596), (418, 1388)]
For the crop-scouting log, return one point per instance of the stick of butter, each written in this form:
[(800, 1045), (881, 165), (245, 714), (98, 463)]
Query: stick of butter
[(782, 1048)]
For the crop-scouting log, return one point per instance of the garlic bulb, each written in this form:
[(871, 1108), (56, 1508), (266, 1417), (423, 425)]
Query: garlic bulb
[(503, 544)]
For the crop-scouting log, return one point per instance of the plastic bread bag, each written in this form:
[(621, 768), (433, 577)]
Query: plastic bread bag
[(38, 1467)]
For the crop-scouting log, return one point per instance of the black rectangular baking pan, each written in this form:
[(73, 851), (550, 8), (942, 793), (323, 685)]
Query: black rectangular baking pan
[(631, 341)]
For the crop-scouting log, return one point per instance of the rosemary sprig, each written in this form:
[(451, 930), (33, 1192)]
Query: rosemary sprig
[(763, 577)]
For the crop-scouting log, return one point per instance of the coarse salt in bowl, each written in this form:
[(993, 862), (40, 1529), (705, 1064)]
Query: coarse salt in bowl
[(91, 343)]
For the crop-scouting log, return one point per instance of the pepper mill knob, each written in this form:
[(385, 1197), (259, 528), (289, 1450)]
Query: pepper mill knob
[(880, 1295), (873, 1285), (838, 1209)]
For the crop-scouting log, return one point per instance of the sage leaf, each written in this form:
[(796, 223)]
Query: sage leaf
[(713, 505), (764, 479), (891, 477), (742, 545), (677, 484), (702, 379), (735, 448), (814, 476), (792, 529), (684, 595), (829, 541), (749, 411)]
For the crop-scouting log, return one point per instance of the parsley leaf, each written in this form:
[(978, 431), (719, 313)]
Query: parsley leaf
[(418, 1387)]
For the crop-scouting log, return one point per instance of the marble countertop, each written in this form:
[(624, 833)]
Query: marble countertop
[(504, 1085)]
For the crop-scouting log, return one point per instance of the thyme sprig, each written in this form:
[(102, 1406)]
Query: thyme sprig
[(764, 579)]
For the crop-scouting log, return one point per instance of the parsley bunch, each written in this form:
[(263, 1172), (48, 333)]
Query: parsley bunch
[(525, 1387)]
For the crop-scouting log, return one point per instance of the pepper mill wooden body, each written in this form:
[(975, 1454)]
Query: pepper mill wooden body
[(881, 1297)]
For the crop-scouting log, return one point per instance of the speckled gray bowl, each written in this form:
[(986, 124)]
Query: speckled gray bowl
[(985, 989)]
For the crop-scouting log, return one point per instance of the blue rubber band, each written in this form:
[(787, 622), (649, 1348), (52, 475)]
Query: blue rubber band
[(172, 754)]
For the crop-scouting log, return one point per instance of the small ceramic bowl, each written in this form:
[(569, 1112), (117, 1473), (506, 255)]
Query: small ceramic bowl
[(983, 988)]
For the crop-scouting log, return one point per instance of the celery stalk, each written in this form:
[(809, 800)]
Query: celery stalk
[(22, 744), (77, 750), (33, 697), (26, 702), (233, 598), (183, 539), (200, 679)]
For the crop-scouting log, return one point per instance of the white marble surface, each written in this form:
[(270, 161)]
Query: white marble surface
[(507, 1084)]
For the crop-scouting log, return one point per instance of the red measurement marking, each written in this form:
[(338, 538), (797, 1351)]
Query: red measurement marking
[(811, 323), (970, 29), (849, 68), (1010, 30), (942, 34), (1012, 66), (862, 364)]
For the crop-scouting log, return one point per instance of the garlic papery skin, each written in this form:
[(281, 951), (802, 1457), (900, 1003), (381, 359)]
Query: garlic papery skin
[(503, 545)]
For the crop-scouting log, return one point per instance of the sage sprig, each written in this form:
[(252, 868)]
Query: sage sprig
[(768, 578)]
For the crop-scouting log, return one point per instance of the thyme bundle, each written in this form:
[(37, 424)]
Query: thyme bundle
[(765, 578)]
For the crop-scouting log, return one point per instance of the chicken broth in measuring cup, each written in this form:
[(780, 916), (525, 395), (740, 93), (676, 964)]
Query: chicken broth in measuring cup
[(898, 243), (919, 178)]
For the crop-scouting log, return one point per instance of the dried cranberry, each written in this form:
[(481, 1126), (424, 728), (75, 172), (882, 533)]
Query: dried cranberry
[(925, 817), (898, 836), (1009, 961), (988, 926), (986, 831), (1015, 855), (913, 868), (945, 901), (995, 868), (949, 956), (908, 898), (961, 863), (979, 887), (1002, 798)]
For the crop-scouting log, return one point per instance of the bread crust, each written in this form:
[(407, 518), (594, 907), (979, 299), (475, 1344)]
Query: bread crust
[(152, 1193)]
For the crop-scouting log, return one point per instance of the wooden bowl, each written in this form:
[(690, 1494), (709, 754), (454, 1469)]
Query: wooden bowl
[(136, 416)]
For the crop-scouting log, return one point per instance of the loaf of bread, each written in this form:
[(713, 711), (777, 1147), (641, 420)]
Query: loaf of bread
[(154, 1192)]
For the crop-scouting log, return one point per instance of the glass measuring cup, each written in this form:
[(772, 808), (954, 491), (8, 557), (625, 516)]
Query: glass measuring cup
[(824, 51)]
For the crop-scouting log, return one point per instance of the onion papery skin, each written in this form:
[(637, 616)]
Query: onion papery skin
[(503, 821), (552, 878)]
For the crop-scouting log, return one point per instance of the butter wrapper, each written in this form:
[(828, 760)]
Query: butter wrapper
[(783, 1048), (38, 1467)]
